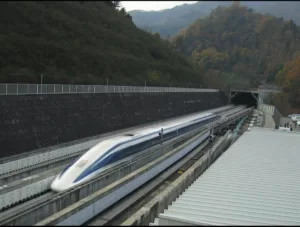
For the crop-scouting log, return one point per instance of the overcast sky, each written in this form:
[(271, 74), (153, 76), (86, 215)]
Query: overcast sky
[(148, 6)]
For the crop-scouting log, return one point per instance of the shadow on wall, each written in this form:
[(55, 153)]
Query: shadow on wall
[(38, 121)]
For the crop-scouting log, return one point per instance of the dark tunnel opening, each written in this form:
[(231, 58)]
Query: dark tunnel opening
[(244, 98)]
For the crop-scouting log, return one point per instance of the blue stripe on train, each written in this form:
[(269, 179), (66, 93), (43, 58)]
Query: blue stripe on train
[(149, 143)]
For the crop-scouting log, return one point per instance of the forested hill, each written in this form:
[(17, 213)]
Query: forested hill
[(171, 21), (84, 42), (234, 43)]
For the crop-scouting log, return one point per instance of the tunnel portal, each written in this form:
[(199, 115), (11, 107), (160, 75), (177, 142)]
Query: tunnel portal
[(249, 99)]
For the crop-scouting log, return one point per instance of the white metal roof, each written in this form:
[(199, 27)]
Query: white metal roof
[(255, 182)]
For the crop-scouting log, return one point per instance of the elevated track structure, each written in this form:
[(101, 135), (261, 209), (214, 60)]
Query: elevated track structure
[(27, 200)]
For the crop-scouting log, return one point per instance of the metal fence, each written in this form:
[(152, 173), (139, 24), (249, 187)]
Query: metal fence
[(256, 90), (24, 89)]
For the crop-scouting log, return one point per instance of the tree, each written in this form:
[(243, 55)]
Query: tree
[(289, 76), (123, 11), (116, 4)]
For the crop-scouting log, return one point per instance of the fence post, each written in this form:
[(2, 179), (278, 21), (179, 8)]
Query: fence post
[(6, 89), (27, 89), (69, 88), (17, 89), (62, 88), (76, 88), (46, 88), (37, 88), (54, 88)]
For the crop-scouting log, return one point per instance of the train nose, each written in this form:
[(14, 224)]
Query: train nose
[(55, 186), (58, 186)]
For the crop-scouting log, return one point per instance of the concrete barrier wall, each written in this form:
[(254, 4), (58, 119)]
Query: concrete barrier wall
[(271, 110), (268, 109), (37, 121)]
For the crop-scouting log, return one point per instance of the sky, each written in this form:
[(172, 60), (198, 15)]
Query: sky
[(151, 5)]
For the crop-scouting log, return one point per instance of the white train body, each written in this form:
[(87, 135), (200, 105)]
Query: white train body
[(117, 148)]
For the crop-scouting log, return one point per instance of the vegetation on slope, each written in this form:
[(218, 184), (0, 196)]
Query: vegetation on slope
[(170, 21), (84, 42), (235, 46), (289, 79)]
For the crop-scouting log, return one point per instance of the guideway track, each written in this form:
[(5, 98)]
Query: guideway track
[(21, 194), (109, 216), (151, 189), (12, 197), (45, 155), (81, 191), (37, 169), (34, 187), (38, 220), (100, 200), (82, 210)]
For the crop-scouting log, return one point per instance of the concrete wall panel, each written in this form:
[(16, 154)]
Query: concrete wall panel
[(30, 122)]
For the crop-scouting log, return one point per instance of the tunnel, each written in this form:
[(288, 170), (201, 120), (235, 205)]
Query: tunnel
[(244, 98)]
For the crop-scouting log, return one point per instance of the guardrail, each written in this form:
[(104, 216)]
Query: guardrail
[(26, 89), (256, 90)]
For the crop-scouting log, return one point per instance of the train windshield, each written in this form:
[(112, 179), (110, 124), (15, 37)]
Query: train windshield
[(81, 163), (68, 166)]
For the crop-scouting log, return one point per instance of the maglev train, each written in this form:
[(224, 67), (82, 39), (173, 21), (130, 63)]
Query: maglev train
[(117, 148)]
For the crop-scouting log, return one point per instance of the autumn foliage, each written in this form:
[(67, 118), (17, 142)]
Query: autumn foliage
[(289, 79), (240, 47), (289, 76)]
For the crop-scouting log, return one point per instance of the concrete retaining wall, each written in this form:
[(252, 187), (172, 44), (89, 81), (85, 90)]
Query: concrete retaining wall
[(271, 110), (38, 121), (147, 213)]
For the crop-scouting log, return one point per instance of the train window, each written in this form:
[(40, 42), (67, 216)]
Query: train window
[(81, 163), (125, 153)]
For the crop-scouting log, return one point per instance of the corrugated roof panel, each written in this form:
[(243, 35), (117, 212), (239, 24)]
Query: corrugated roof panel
[(255, 182)]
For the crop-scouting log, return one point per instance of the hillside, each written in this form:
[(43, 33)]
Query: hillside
[(84, 42), (169, 22), (234, 45)]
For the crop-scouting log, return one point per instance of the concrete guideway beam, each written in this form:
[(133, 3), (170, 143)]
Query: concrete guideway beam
[(26, 188), (65, 199), (79, 214), (112, 212), (37, 169), (20, 188), (18, 191), (82, 211), (27, 191), (44, 157), (226, 119), (152, 209)]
